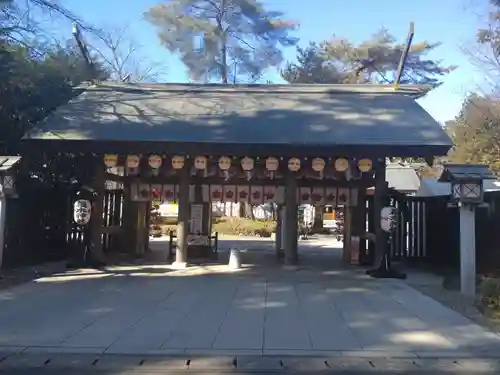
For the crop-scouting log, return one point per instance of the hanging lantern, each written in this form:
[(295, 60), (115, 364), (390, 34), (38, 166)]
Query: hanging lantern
[(82, 209), (272, 165), (133, 161), (294, 164), (341, 165), (155, 161), (178, 162), (110, 160), (365, 165), (247, 165), (200, 162), (225, 165), (318, 165)]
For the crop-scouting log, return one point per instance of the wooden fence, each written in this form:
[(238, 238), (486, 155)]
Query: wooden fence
[(428, 233), (40, 225)]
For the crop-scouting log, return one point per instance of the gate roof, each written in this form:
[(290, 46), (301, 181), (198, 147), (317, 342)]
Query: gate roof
[(294, 119)]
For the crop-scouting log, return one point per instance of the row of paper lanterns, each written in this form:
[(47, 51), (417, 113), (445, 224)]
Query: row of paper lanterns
[(247, 164)]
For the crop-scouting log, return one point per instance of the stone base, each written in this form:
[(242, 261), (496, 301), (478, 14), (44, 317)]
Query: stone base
[(179, 265)]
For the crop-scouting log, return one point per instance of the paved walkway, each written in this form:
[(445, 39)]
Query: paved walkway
[(208, 310)]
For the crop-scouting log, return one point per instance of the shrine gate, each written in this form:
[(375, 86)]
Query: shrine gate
[(196, 144)]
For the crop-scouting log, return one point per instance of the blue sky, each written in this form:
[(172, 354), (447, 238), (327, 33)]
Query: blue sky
[(452, 22)]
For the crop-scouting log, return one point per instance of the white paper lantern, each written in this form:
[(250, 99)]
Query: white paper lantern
[(200, 162), (178, 162), (247, 164), (224, 163), (133, 161), (318, 164), (110, 160), (365, 165), (82, 210), (155, 161), (341, 165), (294, 164), (272, 164)]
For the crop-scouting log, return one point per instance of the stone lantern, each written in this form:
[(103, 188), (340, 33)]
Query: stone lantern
[(466, 191)]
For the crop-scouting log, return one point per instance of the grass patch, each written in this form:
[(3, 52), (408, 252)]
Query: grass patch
[(489, 297), (234, 226)]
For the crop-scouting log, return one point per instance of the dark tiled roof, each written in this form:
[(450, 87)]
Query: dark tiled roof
[(462, 171), (308, 115), (7, 162)]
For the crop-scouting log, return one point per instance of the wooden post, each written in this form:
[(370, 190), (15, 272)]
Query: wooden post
[(291, 233), (96, 218), (279, 231), (379, 202), (358, 228), (3, 206), (181, 251), (468, 250), (346, 248)]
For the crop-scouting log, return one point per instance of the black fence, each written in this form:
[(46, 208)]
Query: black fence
[(428, 233), (40, 226)]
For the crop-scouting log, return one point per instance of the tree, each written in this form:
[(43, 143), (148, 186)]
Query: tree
[(373, 61), (31, 86), (476, 132), (122, 55), (312, 66), (486, 53), (213, 36)]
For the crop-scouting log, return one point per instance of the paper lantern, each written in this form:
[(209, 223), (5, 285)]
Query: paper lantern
[(341, 165), (272, 164), (82, 209), (133, 161), (294, 164), (155, 161), (110, 160), (365, 165), (318, 164), (178, 162), (200, 162), (224, 163), (247, 164)]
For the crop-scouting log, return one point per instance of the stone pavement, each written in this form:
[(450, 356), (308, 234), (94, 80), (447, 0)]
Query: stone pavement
[(207, 310)]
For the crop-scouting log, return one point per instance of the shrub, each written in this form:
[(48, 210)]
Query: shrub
[(490, 293), (233, 226)]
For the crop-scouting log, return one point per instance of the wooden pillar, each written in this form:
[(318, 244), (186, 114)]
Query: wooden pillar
[(291, 233), (346, 248), (181, 251), (358, 228), (96, 218), (279, 231), (3, 211), (379, 202)]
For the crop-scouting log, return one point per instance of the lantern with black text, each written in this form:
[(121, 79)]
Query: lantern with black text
[(318, 165), (82, 210), (110, 160), (155, 162), (272, 165), (247, 165), (225, 165), (200, 164), (294, 164), (178, 162)]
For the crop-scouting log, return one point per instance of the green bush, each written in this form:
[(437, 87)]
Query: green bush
[(490, 293), (234, 226)]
